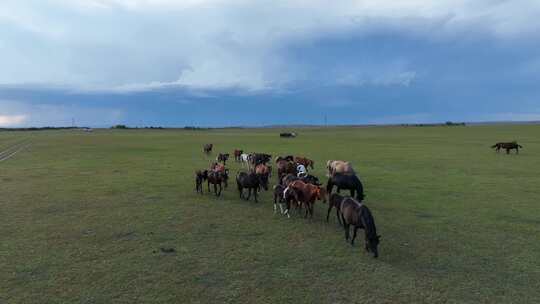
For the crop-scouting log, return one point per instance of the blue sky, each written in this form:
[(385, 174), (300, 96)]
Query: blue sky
[(240, 62)]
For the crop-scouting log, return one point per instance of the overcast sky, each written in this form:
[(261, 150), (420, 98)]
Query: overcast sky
[(246, 62)]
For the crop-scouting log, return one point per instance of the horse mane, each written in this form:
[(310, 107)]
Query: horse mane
[(369, 222)]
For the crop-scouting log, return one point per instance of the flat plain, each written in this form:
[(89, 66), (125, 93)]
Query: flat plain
[(84, 215)]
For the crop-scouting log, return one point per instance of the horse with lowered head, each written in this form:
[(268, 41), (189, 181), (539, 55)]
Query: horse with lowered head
[(349, 182), (250, 181), (358, 215)]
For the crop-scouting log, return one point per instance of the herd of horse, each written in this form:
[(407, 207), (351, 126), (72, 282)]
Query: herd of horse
[(296, 188)]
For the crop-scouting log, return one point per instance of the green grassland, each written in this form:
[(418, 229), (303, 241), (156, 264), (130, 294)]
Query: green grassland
[(84, 215)]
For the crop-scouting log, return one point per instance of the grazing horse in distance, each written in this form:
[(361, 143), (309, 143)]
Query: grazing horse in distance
[(307, 195), (339, 166), (223, 157), (508, 146), (304, 161), (237, 154), (350, 182), (285, 167), (216, 178), (250, 181), (208, 148), (358, 215), (200, 177)]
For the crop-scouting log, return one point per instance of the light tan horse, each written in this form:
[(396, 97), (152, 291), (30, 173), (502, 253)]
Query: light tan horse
[(339, 166)]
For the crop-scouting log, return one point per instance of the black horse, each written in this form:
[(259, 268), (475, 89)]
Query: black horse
[(508, 146), (200, 177), (350, 182), (356, 214), (259, 158), (223, 157), (250, 181)]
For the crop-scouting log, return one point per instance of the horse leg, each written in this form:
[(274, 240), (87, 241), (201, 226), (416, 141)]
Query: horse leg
[(346, 227), (352, 192), (507, 151), (329, 209), (208, 185), (215, 190), (517, 150), (219, 193), (255, 195), (354, 235), (249, 194)]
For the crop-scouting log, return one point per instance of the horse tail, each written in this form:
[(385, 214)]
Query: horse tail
[(520, 146)]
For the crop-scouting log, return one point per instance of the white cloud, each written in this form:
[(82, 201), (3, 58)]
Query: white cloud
[(148, 44), (12, 120)]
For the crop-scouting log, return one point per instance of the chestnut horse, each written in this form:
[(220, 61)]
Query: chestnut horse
[(307, 195), (285, 167), (237, 154), (304, 161)]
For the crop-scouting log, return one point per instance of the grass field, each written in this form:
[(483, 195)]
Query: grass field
[(83, 216)]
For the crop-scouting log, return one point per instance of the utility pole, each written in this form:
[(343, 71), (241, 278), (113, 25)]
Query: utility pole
[(325, 121)]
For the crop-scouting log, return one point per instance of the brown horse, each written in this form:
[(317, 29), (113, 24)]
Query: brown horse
[(304, 161), (508, 146), (223, 157), (358, 215), (208, 148), (237, 154), (264, 172), (335, 202), (217, 167), (285, 167), (216, 178), (308, 194)]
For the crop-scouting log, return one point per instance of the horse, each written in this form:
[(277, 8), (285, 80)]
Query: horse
[(307, 195), (285, 167), (308, 179), (244, 158), (287, 158), (350, 182), (334, 202), (217, 167), (339, 166), (237, 154), (284, 196), (217, 178), (264, 172), (358, 215), (250, 181), (304, 161), (200, 177), (222, 157), (508, 146), (208, 148), (259, 158)]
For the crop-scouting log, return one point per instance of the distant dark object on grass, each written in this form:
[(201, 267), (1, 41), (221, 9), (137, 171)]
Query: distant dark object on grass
[(448, 124), (38, 129), (287, 134), (167, 250), (119, 127)]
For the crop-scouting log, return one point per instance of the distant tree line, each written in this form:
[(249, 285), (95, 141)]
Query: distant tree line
[(448, 123), (38, 129)]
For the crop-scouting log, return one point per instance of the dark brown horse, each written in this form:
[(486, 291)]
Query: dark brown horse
[(217, 167), (357, 215), (200, 177), (350, 182), (250, 181), (223, 157), (285, 167), (304, 161), (216, 178), (284, 196), (264, 172), (508, 146), (208, 148), (237, 154), (335, 202)]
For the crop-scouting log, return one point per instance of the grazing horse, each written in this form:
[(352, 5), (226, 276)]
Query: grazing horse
[(358, 215), (508, 146), (208, 148), (304, 161), (237, 154), (285, 167), (250, 181), (217, 178), (200, 177), (334, 202), (307, 195), (264, 172), (287, 158), (339, 166), (350, 182), (223, 157)]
